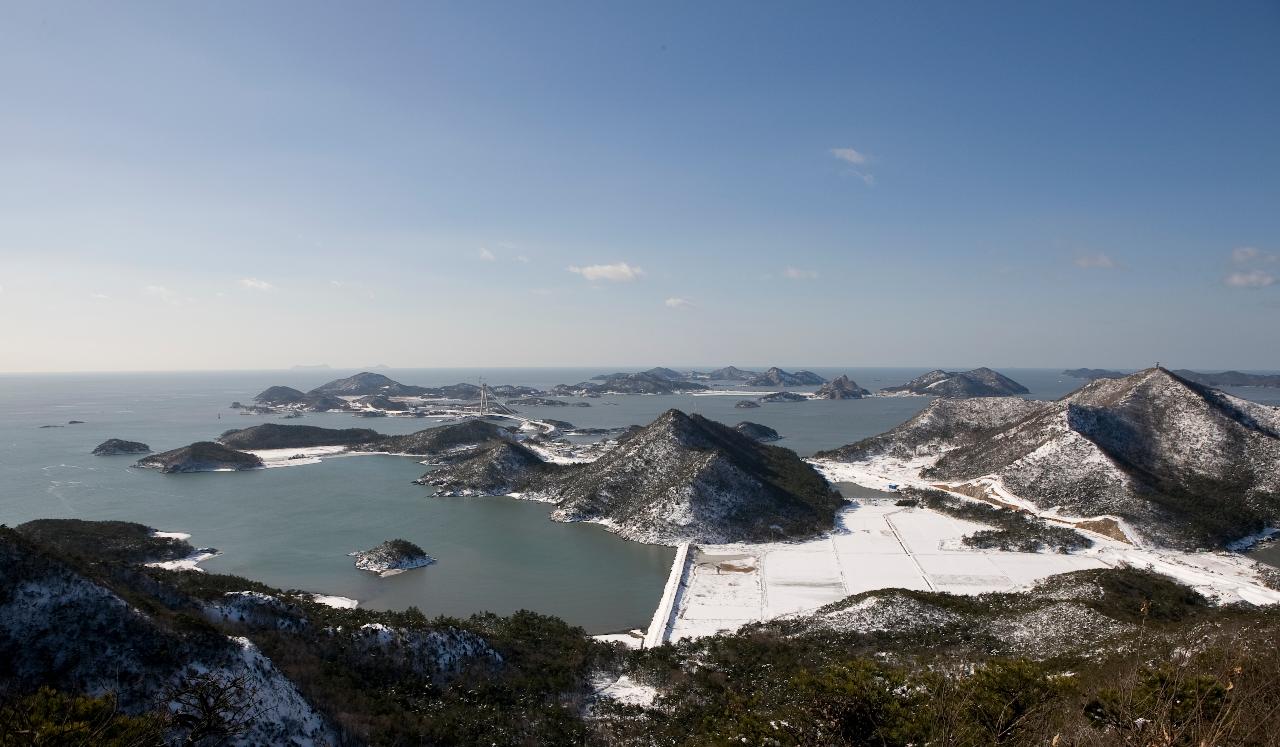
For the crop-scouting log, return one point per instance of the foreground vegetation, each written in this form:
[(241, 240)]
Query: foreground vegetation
[(1166, 669)]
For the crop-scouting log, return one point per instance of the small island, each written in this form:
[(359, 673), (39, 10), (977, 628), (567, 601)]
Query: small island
[(392, 557), (115, 446), (841, 388), (202, 456), (783, 397), (980, 382), (756, 431)]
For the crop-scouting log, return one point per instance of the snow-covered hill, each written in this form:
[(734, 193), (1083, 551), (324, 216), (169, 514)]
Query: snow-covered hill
[(1183, 464), (685, 478)]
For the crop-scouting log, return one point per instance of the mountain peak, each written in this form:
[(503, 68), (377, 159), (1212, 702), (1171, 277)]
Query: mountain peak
[(684, 478)]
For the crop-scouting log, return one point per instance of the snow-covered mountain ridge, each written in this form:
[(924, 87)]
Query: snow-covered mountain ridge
[(1184, 464)]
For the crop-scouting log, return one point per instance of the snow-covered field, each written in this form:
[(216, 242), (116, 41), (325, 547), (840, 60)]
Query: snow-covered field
[(294, 457), (879, 545), (876, 547)]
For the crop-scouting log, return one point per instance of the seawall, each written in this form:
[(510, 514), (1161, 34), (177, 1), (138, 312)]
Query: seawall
[(660, 625)]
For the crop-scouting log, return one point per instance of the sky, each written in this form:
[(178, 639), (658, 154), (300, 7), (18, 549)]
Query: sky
[(241, 185)]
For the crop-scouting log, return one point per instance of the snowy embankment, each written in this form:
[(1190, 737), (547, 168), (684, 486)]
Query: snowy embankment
[(189, 563), (328, 600), (660, 625), (633, 639), (172, 535)]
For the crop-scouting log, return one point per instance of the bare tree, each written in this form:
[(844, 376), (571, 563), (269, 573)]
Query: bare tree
[(212, 708)]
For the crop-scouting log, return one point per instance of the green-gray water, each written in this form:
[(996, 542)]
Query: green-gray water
[(292, 526)]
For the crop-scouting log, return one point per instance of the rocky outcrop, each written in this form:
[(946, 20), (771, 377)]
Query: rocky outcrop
[(497, 468), (392, 557), (746, 404), (440, 440), (841, 387), (256, 610), (202, 456), (438, 654), (276, 436), (756, 431), (777, 377), (980, 382), (114, 446), (685, 478)]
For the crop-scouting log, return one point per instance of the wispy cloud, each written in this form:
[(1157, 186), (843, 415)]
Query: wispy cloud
[(619, 272), (1095, 261), (795, 273), (168, 295), (99, 296), (522, 259), (678, 303), (857, 163), (1243, 255), (485, 255), (1250, 279), (256, 284)]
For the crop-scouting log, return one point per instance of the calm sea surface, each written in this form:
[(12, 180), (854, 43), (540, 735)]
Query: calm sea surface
[(292, 527)]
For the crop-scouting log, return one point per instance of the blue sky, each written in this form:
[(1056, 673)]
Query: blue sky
[(254, 185)]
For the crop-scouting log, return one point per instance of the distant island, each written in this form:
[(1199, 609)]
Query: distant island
[(1230, 378), (202, 456), (979, 382), (116, 446), (1093, 373), (841, 387), (776, 377)]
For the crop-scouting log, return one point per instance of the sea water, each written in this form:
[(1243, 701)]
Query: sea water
[(292, 527)]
